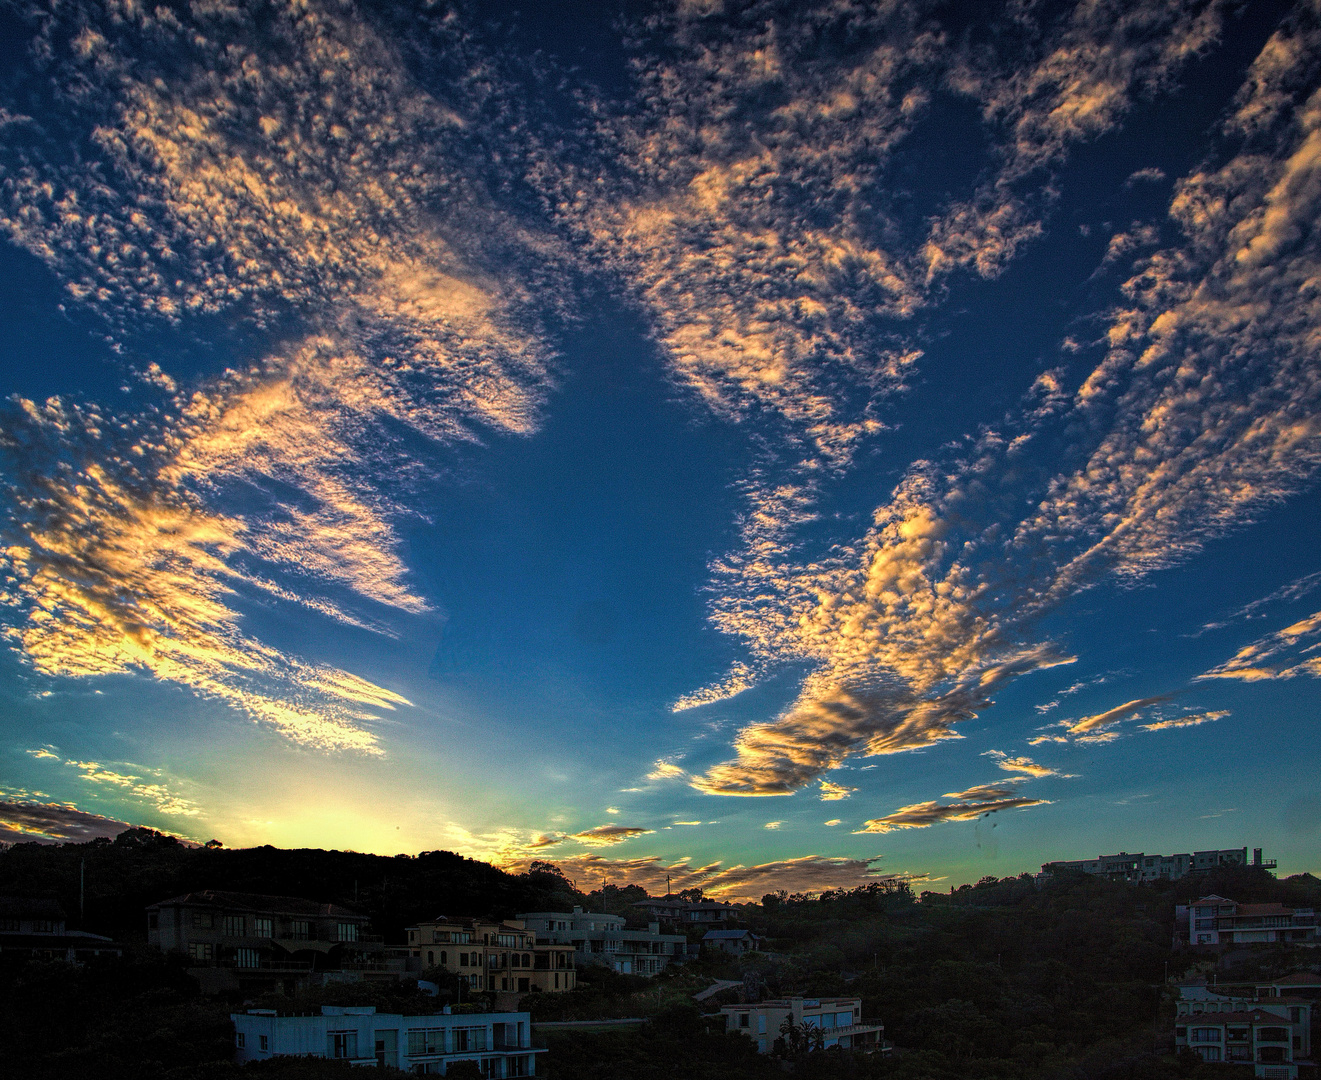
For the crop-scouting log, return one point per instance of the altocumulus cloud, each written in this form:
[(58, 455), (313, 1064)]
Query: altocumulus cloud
[(1203, 411), (967, 806), (294, 176)]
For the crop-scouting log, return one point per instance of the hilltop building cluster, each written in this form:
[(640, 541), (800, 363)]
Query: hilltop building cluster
[(1140, 867), (1215, 920), (1265, 1023)]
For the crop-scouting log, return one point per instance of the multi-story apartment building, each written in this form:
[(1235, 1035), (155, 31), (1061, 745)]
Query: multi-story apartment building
[(1263, 1035), (233, 939), (37, 930), (504, 958), (1260, 1023), (1215, 920), (499, 1043), (598, 938), (838, 1021), (1142, 867)]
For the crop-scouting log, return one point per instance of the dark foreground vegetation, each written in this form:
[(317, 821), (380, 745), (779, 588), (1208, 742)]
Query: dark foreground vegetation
[(1003, 980)]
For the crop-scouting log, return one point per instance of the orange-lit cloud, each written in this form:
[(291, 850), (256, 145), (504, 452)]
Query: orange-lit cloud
[(64, 822), (1192, 720), (969, 805)]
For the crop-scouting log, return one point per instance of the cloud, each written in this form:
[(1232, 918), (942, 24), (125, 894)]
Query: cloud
[(292, 176), (1187, 721), (772, 824), (665, 770), (834, 792), (1089, 725), (1277, 656), (64, 822), (808, 873), (1025, 765), (686, 823), (1294, 590), (1205, 410), (156, 793), (833, 822), (605, 835), (968, 806)]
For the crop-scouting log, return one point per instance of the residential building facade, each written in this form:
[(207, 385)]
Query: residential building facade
[(838, 1021), (598, 938), (500, 1043), (732, 941), (1217, 920), (1142, 867), (685, 913), (232, 939), (503, 958), (1262, 1023), (38, 930)]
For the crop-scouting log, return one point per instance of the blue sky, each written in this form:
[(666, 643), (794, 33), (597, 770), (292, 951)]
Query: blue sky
[(765, 445)]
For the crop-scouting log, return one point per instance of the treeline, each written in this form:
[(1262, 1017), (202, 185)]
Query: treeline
[(120, 877)]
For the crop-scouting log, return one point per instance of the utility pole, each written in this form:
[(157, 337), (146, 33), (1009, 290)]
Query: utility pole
[(82, 894)]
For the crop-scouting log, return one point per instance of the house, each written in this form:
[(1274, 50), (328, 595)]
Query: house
[(1216, 920), (838, 1021), (682, 913), (1264, 1036), (598, 938), (732, 941), (249, 940), (500, 957), (37, 930), (1142, 867), (499, 1043), (1256, 1023)]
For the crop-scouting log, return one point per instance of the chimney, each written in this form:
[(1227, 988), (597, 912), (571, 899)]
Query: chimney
[(577, 909)]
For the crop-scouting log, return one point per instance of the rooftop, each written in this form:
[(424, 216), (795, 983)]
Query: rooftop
[(280, 905)]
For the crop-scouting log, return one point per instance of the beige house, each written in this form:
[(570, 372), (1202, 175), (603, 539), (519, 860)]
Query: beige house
[(494, 957), (837, 1020)]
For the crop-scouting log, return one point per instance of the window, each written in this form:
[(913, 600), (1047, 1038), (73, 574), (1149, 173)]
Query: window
[(342, 1044), (263, 927), (1181, 1033), (240, 1040), (248, 958), (153, 921), (233, 926), (761, 1023), (300, 930), (203, 920), (431, 957), (423, 1041), (468, 1039), (463, 959), (1272, 1034), (1210, 1053), (1206, 1035), (263, 1042), (348, 932), (201, 950), (444, 957)]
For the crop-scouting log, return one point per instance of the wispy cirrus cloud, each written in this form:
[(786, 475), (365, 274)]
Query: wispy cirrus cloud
[(1026, 766), (1191, 720), (1281, 655), (968, 805)]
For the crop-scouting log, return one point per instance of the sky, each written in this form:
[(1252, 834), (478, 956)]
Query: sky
[(754, 446)]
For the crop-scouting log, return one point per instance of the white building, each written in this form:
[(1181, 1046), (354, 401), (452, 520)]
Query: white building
[(1216, 920), (1254, 1023), (599, 938), (838, 1020), (500, 1043), (1135, 867)]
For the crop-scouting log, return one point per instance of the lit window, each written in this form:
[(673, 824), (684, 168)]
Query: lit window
[(248, 958), (201, 950), (240, 1040), (263, 927), (348, 931), (233, 926)]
